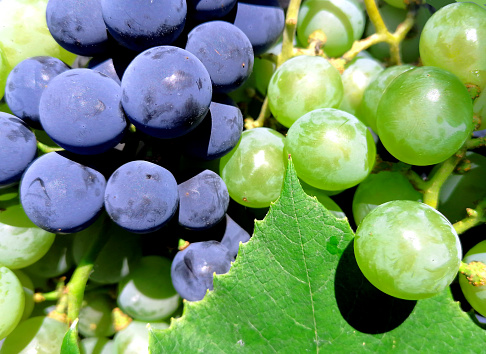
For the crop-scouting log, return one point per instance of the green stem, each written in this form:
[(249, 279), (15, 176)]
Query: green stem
[(289, 32), (417, 182), (474, 217), (431, 192), (46, 148), (475, 272), (375, 16), (77, 284), (476, 143), (260, 121)]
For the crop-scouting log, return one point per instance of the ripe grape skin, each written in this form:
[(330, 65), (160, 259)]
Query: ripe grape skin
[(36, 335), (424, 116), (454, 39), (407, 249), (342, 21), (208, 10), (18, 148), (331, 149), (95, 317), (475, 295), (371, 97), (134, 339), (303, 84), (254, 170), (233, 235), (12, 303), (380, 188)]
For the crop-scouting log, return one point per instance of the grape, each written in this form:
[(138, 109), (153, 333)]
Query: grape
[(451, 32), (463, 190), (24, 33), (144, 24), (26, 83), (120, 253), (54, 184), (407, 249), (95, 317), (424, 116), (166, 91), (134, 339), (342, 21), (96, 345), (331, 149), (371, 97), (21, 242), (302, 84), (356, 78), (78, 26), (225, 51), (262, 21), (146, 293), (233, 235), (57, 261), (12, 303), (141, 196), (263, 70), (380, 188), (193, 268), (208, 10), (39, 335), (254, 170), (28, 287), (18, 148), (479, 109), (475, 295), (324, 199)]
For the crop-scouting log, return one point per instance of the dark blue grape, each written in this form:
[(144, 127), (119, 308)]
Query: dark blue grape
[(60, 195), (140, 25), (207, 10), (141, 196), (204, 200), (166, 92), (225, 51), (18, 148), (233, 235), (105, 66), (81, 111), (78, 26), (192, 268), (26, 83), (262, 21), (219, 132)]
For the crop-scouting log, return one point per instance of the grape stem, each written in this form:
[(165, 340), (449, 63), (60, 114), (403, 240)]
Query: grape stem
[(44, 149), (250, 123), (289, 32), (475, 272), (474, 217), (433, 185), (476, 143), (77, 284)]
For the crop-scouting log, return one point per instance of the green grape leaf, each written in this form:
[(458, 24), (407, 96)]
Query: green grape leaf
[(296, 287), (70, 343)]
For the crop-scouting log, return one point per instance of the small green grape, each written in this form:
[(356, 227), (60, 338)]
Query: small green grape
[(134, 339), (407, 249), (12, 301), (475, 295)]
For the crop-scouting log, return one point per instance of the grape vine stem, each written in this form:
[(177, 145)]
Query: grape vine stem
[(475, 217)]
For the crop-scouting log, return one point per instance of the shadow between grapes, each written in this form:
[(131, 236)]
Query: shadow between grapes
[(363, 306)]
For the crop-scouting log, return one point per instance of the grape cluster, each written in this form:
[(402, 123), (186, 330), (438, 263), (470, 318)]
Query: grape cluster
[(130, 160)]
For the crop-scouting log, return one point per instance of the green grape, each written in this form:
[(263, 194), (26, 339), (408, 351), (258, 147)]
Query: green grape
[(96, 345), (331, 149), (302, 84), (454, 39), (39, 335), (475, 295), (424, 116), (409, 47), (147, 293), (380, 188), (263, 70), (254, 170), (4, 70), (21, 242), (57, 261), (95, 317), (463, 190), (12, 301), (479, 109), (28, 287), (134, 339), (407, 249), (356, 78), (24, 32), (342, 21), (324, 199), (120, 253), (372, 94)]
